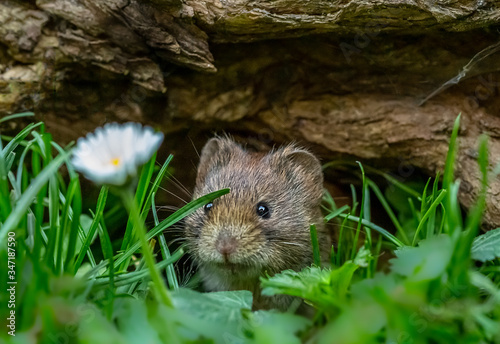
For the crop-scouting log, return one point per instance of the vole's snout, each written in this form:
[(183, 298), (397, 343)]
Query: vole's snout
[(226, 244)]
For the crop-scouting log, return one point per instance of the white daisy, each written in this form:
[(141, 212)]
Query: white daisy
[(112, 154)]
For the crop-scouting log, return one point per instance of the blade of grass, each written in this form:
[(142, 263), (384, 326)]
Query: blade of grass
[(367, 213), (5, 206), (361, 212), (376, 255), (17, 115), (454, 216), (133, 286), (315, 245), (423, 198), (156, 185), (27, 198), (443, 219), (73, 214), (140, 194), (414, 213), (461, 260), (474, 218), (64, 230), (341, 240), (329, 199), (336, 213), (107, 249), (9, 161), (20, 166), (448, 175), (397, 183), (389, 211), (452, 207), (431, 210), (16, 141), (54, 227), (135, 276), (354, 199), (379, 229), (16, 192), (101, 202), (431, 226), (130, 203), (41, 144), (165, 252), (81, 232)]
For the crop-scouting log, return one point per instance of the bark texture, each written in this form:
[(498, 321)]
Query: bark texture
[(348, 78)]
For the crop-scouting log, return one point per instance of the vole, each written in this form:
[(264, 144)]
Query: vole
[(262, 225)]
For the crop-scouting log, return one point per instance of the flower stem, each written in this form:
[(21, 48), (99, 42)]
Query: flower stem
[(130, 203)]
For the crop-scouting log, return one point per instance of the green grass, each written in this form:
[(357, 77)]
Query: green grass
[(78, 282)]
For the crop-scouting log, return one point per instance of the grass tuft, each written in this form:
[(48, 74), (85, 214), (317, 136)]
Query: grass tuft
[(76, 270)]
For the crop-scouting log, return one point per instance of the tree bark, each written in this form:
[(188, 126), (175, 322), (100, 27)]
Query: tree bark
[(349, 79)]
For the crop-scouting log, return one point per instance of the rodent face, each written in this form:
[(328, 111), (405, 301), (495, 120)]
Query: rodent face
[(263, 223)]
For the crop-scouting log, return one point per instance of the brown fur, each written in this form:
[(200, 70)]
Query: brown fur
[(234, 246)]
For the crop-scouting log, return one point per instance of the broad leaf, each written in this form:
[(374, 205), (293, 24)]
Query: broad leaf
[(486, 246)]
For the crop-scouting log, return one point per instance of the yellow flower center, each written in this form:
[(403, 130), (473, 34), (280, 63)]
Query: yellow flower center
[(115, 161)]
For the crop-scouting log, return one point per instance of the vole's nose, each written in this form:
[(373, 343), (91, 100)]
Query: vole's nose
[(226, 244)]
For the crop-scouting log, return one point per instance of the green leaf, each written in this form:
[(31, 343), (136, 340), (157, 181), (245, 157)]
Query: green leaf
[(302, 283), (216, 315), (93, 327), (277, 328), (340, 279), (324, 288), (486, 246), (425, 262), (132, 320)]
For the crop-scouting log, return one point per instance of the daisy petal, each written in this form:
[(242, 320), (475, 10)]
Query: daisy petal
[(112, 154)]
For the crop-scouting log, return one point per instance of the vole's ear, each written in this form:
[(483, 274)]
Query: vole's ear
[(302, 165), (216, 153)]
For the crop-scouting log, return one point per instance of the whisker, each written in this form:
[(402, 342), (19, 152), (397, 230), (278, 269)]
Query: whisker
[(167, 207), (179, 185), (174, 231), (192, 143), (173, 194), (291, 243), (175, 241), (188, 272)]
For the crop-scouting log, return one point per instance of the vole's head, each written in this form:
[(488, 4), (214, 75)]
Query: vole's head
[(263, 223)]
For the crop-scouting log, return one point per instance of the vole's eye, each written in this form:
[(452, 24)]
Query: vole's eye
[(263, 210), (208, 206)]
